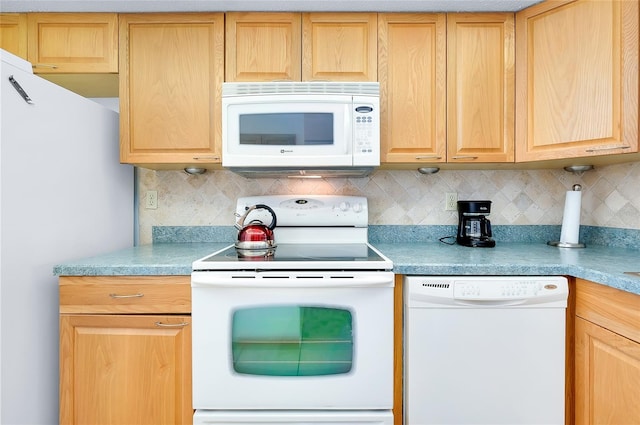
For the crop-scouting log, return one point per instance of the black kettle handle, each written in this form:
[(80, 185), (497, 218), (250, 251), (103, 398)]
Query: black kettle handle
[(273, 215)]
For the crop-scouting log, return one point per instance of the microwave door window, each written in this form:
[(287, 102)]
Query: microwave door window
[(287, 129)]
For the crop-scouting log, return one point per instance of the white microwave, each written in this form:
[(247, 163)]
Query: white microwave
[(301, 129)]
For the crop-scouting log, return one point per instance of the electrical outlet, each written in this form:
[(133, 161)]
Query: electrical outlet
[(451, 201), (151, 200)]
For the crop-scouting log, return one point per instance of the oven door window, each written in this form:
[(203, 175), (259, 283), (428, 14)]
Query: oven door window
[(292, 341)]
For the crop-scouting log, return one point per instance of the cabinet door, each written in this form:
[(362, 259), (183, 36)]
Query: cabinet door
[(73, 42), (118, 369), (607, 376), (412, 68), (263, 46), (480, 87), (577, 85), (339, 46), (13, 33), (171, 73)]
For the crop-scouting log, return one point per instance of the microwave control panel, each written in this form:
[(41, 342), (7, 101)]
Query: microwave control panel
[(366, 130)]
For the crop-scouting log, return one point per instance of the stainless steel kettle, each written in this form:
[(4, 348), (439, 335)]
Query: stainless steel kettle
[(256, 238)]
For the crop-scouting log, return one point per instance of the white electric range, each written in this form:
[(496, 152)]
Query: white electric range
[(304, 334)]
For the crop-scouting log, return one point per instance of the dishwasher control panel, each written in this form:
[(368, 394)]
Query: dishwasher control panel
[(469, 289), (485, 290)]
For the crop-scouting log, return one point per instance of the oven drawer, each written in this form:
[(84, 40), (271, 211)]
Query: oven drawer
[(125, 294)]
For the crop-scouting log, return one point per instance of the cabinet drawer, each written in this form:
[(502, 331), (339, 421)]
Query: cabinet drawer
[(125, 294), (608, 307)]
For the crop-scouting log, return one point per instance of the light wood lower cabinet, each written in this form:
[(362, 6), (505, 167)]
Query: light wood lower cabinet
[(118, 366), (607, 355)]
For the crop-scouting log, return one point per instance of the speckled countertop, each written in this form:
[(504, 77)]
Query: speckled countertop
[(601, 264), (596, 263), (154, 259)]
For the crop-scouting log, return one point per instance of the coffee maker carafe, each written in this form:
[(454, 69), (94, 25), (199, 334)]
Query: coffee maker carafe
[(474, 228)]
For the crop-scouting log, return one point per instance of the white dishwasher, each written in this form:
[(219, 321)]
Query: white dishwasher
[(484, 350)]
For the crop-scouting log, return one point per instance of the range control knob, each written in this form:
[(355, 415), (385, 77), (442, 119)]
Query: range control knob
[(358, 207), (344, 206)]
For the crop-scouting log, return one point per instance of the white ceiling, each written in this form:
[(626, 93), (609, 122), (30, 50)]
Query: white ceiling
[(264, 5)]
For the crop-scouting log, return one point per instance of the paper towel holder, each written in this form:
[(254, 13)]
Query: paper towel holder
[(560, 244)]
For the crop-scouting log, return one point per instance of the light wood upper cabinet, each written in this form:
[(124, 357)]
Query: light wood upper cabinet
[(263, 46), (339, 46), (412, 72), (13, 33), (577, 85), (171, 73), (447, 87), (480, 87), (118, 366), (73, 42), (607, 355), (301, 46)]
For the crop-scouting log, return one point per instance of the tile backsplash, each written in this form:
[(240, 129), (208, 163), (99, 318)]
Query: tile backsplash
[(610, 198)]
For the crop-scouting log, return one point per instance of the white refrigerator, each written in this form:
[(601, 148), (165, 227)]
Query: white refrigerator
[(64, 195)]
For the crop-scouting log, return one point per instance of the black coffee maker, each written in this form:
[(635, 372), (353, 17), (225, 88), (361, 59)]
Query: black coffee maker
[(474, 228)]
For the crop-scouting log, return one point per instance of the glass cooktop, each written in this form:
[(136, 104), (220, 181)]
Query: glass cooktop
[(318, 256)]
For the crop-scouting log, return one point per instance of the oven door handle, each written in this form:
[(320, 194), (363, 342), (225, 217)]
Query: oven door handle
[(296, 282)]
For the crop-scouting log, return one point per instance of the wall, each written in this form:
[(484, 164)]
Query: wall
[(611, 197)]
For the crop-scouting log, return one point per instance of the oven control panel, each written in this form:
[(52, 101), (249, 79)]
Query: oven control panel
[(309, 210)]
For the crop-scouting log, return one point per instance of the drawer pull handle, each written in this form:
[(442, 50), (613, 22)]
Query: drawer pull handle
[(607, 148), (172, 325), (426, 157), (206, 158), (118, 296), (470, 157), (45, 65)]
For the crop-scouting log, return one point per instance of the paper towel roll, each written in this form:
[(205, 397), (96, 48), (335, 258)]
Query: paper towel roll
[(570, 232)]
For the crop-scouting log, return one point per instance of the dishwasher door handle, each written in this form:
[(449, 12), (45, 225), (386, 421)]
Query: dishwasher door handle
[(489, 303)]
